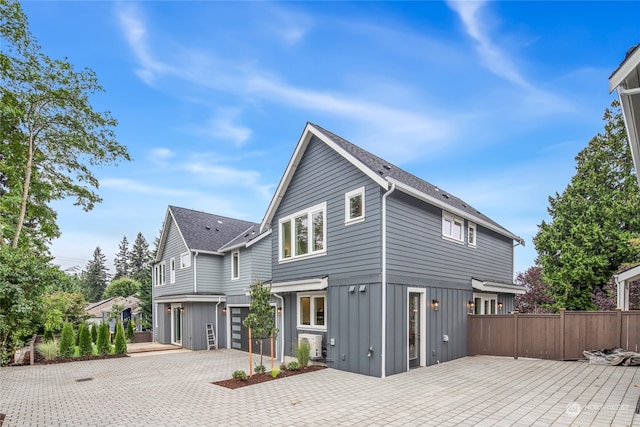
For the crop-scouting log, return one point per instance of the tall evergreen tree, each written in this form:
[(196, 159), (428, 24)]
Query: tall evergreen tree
[(593, 222), (122, 259), (140, 258), (96, 276)]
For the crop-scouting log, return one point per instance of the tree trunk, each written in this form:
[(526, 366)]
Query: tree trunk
[(25, 192)]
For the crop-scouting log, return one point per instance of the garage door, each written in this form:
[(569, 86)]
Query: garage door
[(240, 334)]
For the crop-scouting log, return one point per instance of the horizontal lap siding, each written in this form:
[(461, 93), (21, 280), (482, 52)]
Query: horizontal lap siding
[(174, 246), (209, 271), (417, 250), (261, 259), (352, 250)]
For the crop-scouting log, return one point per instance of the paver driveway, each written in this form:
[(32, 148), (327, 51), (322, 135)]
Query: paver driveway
[(174, 389)]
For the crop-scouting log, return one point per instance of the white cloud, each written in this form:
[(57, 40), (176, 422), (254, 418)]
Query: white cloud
[(161, 155)]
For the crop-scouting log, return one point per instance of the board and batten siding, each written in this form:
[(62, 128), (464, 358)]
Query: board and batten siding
[(351, 250), (194, 319), (174, 246), (416, 249)]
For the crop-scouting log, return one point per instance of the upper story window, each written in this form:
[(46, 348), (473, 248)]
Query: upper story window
[(354, 206), (235, 265), (471, 234), (311, 310), (159, 274), (303, 233), (452, 227), (172, 270), (185, 260)]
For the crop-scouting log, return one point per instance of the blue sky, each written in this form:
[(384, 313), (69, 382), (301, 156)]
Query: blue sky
[(490, 101)]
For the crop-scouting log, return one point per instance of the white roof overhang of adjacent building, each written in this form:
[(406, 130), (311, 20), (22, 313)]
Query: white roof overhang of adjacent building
[(190, 298), (303, 285), (505, 288), (626, 80), (439, 203), (622, 283)]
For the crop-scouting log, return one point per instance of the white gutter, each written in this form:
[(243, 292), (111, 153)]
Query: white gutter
[(281, 334), (623, 91), (624, 96), (216, 314), (384, 278), (195, 271)]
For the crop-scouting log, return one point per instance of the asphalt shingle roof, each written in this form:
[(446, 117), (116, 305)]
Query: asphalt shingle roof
[(385, 169), (208, 232)]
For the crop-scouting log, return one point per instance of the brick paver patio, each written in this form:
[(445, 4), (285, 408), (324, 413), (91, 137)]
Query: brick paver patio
[(174, 389)]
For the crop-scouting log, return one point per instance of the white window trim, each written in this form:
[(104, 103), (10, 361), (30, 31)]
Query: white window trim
[(182, 259), (311, 253), (311, 295), (347, 206), (453, 219), (470, 226), (233, 254), (483, 298), (172, 270), (157, 269)]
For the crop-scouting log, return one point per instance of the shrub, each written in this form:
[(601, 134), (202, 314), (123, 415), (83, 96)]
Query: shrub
[(275, 373), (103, 343), (48, 349), (303, 350), (239, 375), (94, 333), (119, 340), (66, 341), (293, 366), (283, 366), (259, 369), (130, 331), (86, 348), (48, 335)]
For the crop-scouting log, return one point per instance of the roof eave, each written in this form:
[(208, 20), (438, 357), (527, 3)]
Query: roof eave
[(624, 70)]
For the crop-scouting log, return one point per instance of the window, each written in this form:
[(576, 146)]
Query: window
[(452, 227), (185, 260), (172, 270), (354, 206), (485, 303), (158, 274), (303, 233), (235, 265), (311, 310), (471, 234)]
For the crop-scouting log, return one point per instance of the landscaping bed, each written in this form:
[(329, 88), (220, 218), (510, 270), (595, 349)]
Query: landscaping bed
[(234, 383)]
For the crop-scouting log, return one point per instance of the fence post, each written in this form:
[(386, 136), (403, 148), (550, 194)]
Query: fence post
[(515, 334), (562, 311), (619, 327)]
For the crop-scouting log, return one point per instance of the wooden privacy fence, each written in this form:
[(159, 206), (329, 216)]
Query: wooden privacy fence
[(562, 336)]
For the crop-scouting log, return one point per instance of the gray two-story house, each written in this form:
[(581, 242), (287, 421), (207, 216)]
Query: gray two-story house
[(377, 268), (203, 267)]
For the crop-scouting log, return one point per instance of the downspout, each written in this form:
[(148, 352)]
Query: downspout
[(195, 271), (282, 324), (383, 369), (216, 314)]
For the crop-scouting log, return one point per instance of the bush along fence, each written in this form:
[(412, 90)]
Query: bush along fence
[(562, 336)]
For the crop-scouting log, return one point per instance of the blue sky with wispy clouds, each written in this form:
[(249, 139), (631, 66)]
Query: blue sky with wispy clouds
[(490, 101)]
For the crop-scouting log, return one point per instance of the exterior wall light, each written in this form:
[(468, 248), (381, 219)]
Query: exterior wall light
[(435, 304), (499, 306)]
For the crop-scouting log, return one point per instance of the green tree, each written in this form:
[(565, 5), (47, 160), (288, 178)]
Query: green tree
[(130, 331), (121, 261), (104, 339), (54, 134), (261, 314), (94, 333), (23, 277), (141, 258), (96, 276), (60, 307), (119, 340), (86, 349), (67, 341), (593, 222), (123, 287)]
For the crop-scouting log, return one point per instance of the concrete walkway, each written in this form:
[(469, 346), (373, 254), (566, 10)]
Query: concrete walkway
[(174, 389)]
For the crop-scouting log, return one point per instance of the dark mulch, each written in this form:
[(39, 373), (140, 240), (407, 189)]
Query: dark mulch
[(1, 419), (42, 361), (234, 383)]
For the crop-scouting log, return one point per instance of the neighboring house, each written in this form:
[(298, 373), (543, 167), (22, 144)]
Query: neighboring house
[(204, 266), (626, 80), (127, 309), (376, 267)]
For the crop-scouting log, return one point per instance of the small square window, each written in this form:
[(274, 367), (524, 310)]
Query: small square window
[(354, 206), (185, 260), (452, 227)]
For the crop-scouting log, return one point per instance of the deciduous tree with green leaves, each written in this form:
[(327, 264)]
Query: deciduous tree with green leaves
[(594, 220), (123, 287), (261, 315), (51, 133)]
